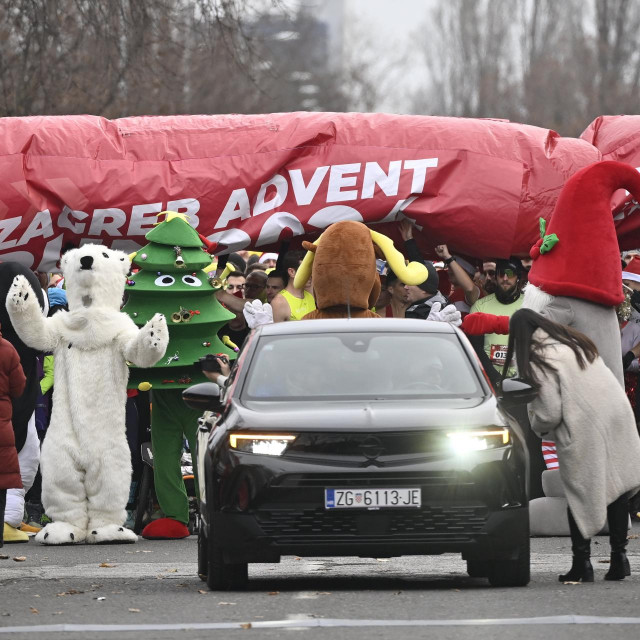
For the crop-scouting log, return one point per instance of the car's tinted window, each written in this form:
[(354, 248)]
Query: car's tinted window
[(355, 365)]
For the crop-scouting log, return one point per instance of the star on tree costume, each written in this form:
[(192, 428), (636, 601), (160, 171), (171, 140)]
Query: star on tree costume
[(171, 281)]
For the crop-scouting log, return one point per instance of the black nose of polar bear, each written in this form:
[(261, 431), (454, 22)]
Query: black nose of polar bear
[(86, 262)]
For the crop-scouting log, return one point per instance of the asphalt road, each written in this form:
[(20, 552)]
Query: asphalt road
[(151, 590)]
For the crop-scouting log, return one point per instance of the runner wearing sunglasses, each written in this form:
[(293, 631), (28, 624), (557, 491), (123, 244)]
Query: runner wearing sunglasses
[(506, 300)]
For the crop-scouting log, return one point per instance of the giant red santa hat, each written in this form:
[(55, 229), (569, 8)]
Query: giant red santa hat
[(578, 254)]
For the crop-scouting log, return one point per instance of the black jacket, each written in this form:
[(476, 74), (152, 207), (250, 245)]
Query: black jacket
[(25, 405), (422, 308)]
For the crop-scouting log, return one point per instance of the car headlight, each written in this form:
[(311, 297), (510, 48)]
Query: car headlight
[(466, 441), (265, 444)]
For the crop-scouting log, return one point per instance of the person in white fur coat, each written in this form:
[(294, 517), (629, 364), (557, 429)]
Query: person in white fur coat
[(86, 463), (595, 433), (576, 276)]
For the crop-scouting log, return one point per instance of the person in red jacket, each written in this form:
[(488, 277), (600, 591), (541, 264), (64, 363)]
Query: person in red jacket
[(12, 383)]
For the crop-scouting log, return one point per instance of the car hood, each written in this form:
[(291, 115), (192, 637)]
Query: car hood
[(382, 415)]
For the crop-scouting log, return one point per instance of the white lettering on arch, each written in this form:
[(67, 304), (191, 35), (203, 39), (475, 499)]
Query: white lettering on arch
[(305, 193), (419, 168), (64, 219), (40, 226), (336, 213), (234, 239), (188, 206), (281, 187), (107, 221), (143, 217), (237, 207), (7, 226), (339, 178), (273, 227), (375, 175)]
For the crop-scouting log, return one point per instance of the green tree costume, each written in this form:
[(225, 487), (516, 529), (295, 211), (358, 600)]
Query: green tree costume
[(171, 281)]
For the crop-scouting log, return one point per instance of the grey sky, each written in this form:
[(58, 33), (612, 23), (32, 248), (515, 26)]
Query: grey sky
[(394, 28), (382, 35)]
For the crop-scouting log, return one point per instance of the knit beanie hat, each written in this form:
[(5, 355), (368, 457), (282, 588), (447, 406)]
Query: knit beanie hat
[(577, 254), (430, 285), (511, 263)]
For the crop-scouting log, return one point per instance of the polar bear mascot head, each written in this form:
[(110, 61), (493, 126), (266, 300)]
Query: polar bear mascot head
[(95, 278)]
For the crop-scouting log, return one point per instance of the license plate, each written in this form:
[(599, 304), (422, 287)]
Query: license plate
[(371, 498)]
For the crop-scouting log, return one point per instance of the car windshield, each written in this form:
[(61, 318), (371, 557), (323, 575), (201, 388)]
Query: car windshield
[(346, 366)]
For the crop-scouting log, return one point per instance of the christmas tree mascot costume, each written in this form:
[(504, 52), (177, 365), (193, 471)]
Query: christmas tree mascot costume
[(86, 463), (171, 280)]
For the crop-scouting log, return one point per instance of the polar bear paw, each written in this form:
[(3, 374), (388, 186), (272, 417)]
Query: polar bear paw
[(156, 334), (20, 295), (60, 533), (111, 534)]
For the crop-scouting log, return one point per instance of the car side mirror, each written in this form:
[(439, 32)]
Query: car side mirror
[(204, 396), (515, 392)]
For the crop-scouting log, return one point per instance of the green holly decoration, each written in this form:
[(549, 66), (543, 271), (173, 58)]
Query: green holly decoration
[(171, 281), (548, 241)]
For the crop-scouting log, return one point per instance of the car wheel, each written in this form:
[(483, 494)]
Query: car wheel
[(223, 575), (202, 554), (512, 572), (478, 568)]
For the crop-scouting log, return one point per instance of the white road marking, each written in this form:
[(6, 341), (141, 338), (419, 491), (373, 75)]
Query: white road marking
[(322, 622), (93, 570)]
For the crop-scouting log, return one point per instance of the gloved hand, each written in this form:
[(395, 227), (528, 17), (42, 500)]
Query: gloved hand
[(477, 324), (449, 314), (256, 314)]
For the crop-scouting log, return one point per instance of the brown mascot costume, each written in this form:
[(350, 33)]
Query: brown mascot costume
[(342, 264)]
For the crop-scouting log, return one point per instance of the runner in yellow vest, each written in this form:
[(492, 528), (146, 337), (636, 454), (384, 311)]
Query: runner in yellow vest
[(291, 303), (299, 307)]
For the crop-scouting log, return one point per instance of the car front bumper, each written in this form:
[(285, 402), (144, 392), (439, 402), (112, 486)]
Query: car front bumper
[(476, 506)]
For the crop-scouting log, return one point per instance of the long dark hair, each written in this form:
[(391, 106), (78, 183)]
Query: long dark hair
[(522, 325)]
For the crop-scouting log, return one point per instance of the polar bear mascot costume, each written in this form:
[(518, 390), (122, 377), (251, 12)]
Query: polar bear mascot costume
[(86, 464)]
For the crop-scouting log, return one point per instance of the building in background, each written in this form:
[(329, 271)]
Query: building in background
[(302, 50)]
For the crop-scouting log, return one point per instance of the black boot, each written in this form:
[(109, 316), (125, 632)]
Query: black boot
[(618, 518), (581, 569)]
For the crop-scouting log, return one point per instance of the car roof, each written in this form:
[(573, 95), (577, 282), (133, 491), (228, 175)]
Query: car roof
[(355, 325)]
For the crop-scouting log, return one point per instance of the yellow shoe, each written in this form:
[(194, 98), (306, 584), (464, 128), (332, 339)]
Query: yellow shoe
[(11, 534), (27, 528)]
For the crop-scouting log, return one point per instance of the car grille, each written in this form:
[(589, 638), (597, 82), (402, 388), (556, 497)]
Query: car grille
[(355, 446), (358, 478), (426, 524)]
